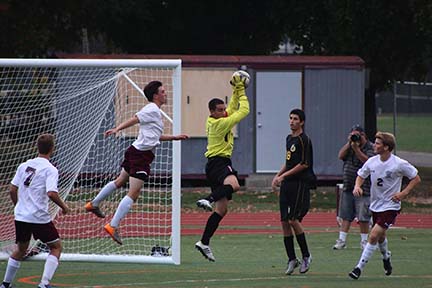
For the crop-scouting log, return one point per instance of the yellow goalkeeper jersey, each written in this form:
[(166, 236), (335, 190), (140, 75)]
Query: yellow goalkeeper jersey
[(220, 139)]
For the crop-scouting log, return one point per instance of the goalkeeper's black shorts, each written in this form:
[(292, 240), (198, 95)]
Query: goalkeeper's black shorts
[(217, 169)]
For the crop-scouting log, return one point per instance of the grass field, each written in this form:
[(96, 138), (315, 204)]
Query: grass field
[(413, 133), (254, 261)]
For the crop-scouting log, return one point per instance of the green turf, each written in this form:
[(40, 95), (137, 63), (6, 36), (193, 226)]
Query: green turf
[(256, 261), (413, 133)]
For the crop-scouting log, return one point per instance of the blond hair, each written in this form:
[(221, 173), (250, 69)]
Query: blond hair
[(388, 139)]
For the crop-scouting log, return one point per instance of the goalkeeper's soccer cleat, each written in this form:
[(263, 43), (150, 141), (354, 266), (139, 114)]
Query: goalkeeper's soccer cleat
[(340, 244), (292, 264), (5, 285), (355, 273), (94, 209), (204, 204), (388, 269), (305, 265), (205, 251), (113, 232), (45, 286)]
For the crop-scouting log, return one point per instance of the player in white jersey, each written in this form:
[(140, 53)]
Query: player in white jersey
[(138, 157), (386, 171), (34, 184)]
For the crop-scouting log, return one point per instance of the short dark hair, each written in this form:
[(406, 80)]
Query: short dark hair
[(151, 88), (45, 143), (299, 113), (214, 102)]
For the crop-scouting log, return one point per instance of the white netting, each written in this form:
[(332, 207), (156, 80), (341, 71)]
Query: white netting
[(77, 104)]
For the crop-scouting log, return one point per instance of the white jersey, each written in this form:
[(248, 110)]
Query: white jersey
[(150, 127), (34, 179), (386, 180)]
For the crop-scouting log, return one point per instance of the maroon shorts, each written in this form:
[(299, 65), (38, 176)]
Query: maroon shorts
[(137, 163), (385, 219), (47, 233)]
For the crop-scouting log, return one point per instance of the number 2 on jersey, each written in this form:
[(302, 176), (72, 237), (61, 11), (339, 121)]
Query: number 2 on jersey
[(31, 173)]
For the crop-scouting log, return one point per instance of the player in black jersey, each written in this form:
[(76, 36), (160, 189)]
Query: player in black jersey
[(295, 178)]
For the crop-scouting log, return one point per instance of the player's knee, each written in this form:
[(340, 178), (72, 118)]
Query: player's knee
[(120, 182), (18, 254), (235, 187), (222, 211)]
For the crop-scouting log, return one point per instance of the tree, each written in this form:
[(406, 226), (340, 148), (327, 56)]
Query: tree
[(393, 37), (38, 28)]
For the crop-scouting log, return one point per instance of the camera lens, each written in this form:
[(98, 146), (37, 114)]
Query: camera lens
[(355, 138)]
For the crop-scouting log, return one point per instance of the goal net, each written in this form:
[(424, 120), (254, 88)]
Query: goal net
[(77, 100)]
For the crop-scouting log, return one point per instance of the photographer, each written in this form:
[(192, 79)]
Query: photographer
[(354, 153)]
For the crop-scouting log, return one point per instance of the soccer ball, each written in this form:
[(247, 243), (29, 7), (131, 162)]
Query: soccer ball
[(244, 77)]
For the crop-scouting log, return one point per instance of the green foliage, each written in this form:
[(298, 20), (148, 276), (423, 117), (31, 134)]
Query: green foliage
[(394, 38)]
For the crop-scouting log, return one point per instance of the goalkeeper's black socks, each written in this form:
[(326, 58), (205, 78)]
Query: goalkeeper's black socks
[(301, 240), (289, 247), (211, 226)]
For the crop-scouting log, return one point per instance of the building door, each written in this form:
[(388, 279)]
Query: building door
[(277, 93)]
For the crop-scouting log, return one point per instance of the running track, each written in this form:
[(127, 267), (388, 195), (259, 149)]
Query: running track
[(268, 222)]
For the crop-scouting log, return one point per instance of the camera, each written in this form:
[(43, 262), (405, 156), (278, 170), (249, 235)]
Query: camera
[(355, 138)]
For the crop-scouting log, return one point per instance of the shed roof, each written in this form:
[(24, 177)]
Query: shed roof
[(252, 61)]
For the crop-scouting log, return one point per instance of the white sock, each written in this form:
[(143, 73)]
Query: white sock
[(104, 193), (343, 235), (366, 255), (11, 270), (123, 208), (364, 236), (384, 249), (51, 264)]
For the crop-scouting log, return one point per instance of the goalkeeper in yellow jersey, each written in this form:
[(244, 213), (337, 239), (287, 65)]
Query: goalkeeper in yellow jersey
[(219, 171)]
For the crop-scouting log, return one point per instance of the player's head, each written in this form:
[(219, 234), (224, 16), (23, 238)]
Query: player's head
[(217, 108), (45, 144), (384, 141), (297, 119), (299, 113), (151, 89)]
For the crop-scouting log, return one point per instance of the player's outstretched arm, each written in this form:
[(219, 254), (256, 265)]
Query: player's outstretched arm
[(128, 123), (173, 137)]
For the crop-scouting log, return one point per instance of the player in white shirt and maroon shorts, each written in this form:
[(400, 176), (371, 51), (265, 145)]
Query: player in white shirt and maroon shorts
[(138, 157), (386, 172), (34, 184)]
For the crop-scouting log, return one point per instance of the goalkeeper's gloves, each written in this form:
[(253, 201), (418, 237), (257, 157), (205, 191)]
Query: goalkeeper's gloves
[(237, 83)]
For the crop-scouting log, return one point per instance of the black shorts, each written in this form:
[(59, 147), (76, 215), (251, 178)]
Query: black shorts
[(294, 200), (217, 169), (47, 233), (137, 163)]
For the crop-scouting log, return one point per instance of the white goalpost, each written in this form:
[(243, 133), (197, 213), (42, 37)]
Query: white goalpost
[(77, 100)]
